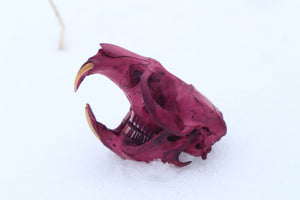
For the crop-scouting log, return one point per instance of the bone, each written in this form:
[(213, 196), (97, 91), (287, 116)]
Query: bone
[(162, 105)]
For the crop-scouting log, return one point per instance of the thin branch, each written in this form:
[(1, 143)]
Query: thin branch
[(62, 30)]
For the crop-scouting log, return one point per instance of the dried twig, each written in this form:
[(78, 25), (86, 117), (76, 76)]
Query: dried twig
[(62, 31)]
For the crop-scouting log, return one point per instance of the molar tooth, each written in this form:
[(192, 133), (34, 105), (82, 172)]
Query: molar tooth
[(130, 132), (143, 128), (145, 139), (136, 135), (133, 134), (132, 116), (139, 137), (147, 132), (126, 129)]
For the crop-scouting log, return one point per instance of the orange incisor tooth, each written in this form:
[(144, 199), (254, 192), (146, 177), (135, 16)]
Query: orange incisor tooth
[(90, 124), (83, 69)]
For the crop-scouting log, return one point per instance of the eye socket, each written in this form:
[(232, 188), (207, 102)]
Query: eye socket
[(163, 90), (133, 76)]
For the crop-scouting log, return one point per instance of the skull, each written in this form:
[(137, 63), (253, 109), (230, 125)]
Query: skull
[(166, 117)]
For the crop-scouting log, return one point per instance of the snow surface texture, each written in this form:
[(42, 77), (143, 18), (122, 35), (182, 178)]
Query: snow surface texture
[(243, 55)]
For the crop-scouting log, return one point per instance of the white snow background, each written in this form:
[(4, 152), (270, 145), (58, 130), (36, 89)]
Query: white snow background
[(243, 55)]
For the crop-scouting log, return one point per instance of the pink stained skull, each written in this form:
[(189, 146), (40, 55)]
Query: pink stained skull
[(166, 117)]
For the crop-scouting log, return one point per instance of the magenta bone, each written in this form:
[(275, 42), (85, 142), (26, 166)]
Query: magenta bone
[(166, 116)]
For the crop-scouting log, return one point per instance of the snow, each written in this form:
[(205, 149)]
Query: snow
[(243, 55)]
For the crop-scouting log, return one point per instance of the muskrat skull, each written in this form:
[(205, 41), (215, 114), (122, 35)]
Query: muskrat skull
[(166, 117)]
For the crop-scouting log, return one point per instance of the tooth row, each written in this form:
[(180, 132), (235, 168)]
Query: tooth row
[(136, 131), (135, 134), (136, 121), (145, 130)]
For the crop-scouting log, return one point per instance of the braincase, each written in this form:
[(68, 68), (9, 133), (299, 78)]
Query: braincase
[(192, 109)]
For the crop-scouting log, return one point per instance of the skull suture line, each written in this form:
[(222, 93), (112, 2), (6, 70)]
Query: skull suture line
[(166, 117)]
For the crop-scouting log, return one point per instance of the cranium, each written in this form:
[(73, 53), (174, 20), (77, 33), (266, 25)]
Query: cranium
[(166, 117)]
